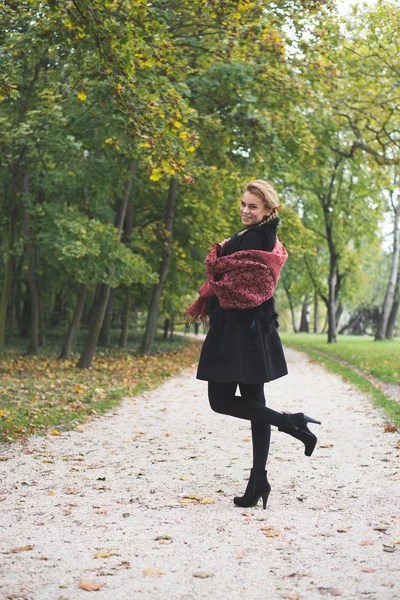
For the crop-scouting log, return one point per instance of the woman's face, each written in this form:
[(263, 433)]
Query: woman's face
[(252, 209)]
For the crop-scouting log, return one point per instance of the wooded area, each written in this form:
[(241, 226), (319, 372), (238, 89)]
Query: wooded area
[(128, 130)]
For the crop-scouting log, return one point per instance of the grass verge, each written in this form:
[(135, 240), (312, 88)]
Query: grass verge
[(380, 359), (38, 393), (389, 406)]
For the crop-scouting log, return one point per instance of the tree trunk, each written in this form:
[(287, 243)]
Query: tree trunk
[(316, 313), (390, 290), (172, 326), (18, 292), (152, 315), (166, 328), (305, 316), (40, 300), (10, 247), (104, 337), (8, 273), (289, 297), (394, 310), (31, 275), (86, 358), (332, 300), (70, 340), (123, 338)]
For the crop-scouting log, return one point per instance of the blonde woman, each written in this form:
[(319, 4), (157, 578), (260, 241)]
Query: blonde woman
[(242, 347)]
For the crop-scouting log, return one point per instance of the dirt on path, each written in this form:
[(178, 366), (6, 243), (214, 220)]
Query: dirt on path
[(140, 501)]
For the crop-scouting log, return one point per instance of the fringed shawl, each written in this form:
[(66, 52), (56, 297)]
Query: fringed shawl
[(244, 279)]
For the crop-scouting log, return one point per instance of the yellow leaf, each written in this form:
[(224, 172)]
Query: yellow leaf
[(366, 543), (191, 149), (54, 432), (207, 501), (82, 96), (177, 124), (104, 554), (153, 572), (183, 135), (51, 493), (272, 532), (156, 175), (22, 549), (90, 586), (109, 141)]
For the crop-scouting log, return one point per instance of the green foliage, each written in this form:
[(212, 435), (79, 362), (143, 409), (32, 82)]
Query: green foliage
[(88, 251)]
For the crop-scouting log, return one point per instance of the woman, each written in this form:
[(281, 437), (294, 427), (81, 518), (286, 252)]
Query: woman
[(243, 346)]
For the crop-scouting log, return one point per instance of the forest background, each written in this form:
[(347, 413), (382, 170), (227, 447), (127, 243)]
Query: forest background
[(128, 131)]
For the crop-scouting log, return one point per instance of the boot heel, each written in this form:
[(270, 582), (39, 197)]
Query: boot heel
[(264, 499), (311, 420)]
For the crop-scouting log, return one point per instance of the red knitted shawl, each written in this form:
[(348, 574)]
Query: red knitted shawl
[(244, 279)]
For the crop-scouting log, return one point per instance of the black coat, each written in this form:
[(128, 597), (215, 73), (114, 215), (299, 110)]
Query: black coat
[(243, 345)]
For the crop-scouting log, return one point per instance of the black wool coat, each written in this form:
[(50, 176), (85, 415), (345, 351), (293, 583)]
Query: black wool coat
[(243, 345)]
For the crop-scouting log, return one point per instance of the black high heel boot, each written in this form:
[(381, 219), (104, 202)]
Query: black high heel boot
[(257, 487), (296, 425)]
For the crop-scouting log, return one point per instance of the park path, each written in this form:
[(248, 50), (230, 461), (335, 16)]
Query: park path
[(117, 487)]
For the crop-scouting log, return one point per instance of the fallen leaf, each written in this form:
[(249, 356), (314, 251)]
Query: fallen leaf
[(90, 586), (71, 491), (22, 549), (343, 529), (270, 532), (368, 570), (388, 548), (153, 572), (380, 528), (104, 554), (331, 591), (292, 596), (390, 428), (203, 574), (301, 497), (207, 501), (326, 445), (123, 565), (366, 543), (396, 542)]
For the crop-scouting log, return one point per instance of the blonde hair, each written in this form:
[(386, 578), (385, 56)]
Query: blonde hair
[(268, 195)]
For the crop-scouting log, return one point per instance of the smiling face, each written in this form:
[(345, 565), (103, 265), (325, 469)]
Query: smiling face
[(252, 209)]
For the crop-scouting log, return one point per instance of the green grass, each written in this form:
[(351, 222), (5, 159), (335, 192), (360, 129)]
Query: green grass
[(40, 392), (360, 352), (380, 359)]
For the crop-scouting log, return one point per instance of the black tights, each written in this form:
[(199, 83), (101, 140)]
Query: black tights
[(251, 406)]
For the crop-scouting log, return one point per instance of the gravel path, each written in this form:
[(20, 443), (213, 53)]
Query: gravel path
[(117, 487)]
